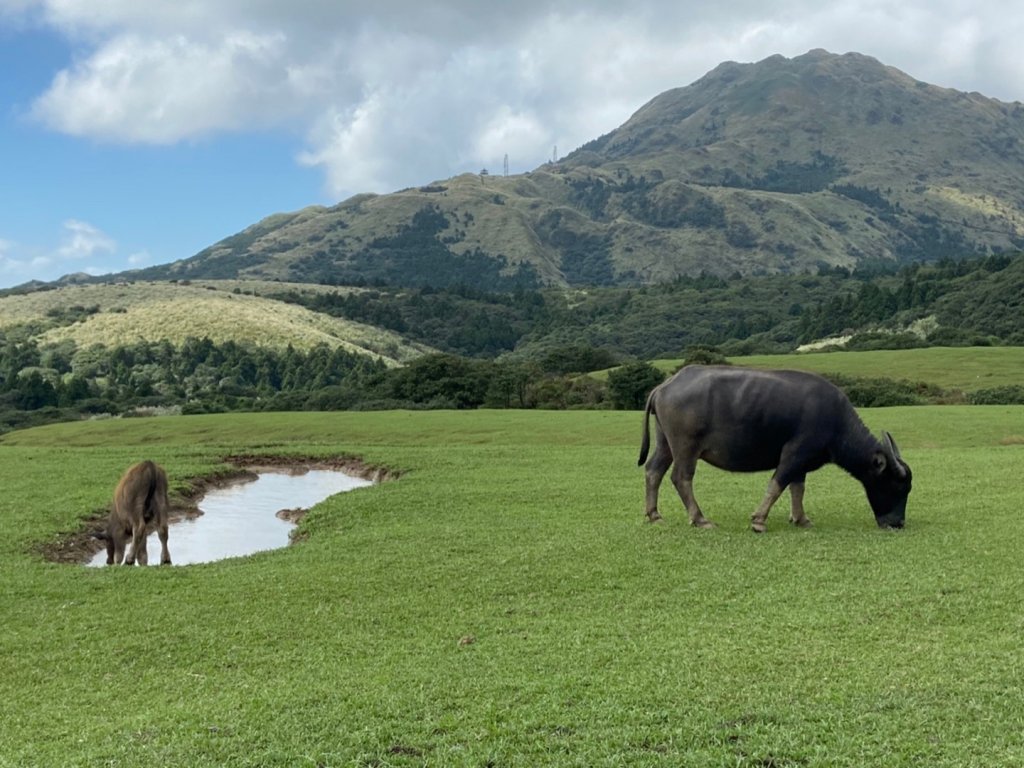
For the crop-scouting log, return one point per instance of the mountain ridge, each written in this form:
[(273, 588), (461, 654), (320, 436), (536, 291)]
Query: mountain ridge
[(785, 165)]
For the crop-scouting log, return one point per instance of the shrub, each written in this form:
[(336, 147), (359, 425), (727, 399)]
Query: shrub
[(882, 392), (1012, 394), (629, 385)]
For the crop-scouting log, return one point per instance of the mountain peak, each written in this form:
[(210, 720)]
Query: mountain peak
[(781, 165)]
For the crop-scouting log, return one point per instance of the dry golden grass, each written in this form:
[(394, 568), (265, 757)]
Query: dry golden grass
[(130, 313)]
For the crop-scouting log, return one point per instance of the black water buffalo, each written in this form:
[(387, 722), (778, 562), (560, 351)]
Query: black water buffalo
[(140, 505), (747, 420)]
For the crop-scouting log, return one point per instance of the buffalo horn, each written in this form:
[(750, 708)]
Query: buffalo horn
[(894, 452)]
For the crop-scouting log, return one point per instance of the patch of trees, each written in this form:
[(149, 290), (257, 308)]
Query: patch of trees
[(460, 320), (927, 238), (661, 206), (870, 197), (975, 301), (415, 256), (791, 177), (591, 194), (586, 260), (528, 349)]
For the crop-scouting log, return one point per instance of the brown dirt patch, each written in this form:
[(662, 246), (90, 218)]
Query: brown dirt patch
[(79, 546)]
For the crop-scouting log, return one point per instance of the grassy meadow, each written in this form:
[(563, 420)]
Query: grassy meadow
[(965, 368), (504, 603)]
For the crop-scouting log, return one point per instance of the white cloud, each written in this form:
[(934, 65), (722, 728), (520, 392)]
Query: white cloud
[(141, 89), (81, 247), (140, 258), (392, 94), (82, 240)]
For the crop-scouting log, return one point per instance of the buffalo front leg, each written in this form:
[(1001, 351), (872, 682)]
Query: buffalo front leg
[(796, 497), (760, 516)]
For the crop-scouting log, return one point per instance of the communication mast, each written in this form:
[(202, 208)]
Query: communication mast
[(506, 163)]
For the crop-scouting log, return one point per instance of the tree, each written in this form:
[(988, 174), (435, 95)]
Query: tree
[(35, 392), (629, 384)]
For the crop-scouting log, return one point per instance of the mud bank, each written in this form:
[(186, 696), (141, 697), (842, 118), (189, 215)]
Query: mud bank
[(81, 546)]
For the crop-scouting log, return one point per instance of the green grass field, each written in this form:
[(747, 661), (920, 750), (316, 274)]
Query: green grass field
[(504, 603), (964, 368)]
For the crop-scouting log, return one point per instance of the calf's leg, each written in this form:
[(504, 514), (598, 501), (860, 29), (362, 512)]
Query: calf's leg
[(115, 548), (138, 552), (165, 554)]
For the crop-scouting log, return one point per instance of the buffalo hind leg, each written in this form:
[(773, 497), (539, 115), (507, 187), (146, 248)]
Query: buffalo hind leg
[(796, 497), (165, 553), (682, 479), (115, 549), (758, 519), (654, 472), (138, 553)]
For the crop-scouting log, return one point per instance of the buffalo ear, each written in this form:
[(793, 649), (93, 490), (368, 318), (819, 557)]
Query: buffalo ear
[(879, 462)]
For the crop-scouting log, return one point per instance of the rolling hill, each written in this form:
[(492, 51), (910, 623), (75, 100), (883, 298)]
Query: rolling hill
[(780, 166), (116, 314)]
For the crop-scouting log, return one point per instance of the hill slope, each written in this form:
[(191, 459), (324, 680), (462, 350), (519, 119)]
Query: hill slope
[(117, 314), (778, 166)]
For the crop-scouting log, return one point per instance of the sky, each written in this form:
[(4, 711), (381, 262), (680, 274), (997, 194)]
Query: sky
[(138, 132)]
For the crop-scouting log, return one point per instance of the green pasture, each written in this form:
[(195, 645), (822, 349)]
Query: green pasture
[(965, 368), (503, 603)]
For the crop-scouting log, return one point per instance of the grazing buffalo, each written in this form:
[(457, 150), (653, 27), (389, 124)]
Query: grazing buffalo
[(746, 420), (140, 505)]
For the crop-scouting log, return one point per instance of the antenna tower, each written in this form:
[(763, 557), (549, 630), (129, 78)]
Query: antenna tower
[(506, 163)]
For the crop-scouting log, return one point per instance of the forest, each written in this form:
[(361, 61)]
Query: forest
[(528, 348)]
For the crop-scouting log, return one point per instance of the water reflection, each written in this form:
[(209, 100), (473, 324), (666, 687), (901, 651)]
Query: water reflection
[(241, 519)]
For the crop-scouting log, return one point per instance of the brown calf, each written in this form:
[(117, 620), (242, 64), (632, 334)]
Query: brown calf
[(140, 503)]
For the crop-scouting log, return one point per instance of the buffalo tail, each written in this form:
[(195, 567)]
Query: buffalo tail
[(645, 440)]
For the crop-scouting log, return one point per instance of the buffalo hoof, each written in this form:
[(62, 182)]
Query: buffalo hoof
[(653, 517), (805, 523), (703, 523), (759, 527)]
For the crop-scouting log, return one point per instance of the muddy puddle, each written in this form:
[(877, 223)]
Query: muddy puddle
[(247, 516)]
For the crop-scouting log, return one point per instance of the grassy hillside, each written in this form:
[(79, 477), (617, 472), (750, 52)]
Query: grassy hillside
[(117, 314), (503, 603)]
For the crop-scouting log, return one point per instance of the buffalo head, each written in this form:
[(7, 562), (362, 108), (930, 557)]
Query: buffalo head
[(888, 485)]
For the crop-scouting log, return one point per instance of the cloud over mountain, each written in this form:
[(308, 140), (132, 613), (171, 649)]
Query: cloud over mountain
[(392, 94)]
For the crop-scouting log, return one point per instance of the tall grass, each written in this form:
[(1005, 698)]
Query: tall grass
[(503, 603)]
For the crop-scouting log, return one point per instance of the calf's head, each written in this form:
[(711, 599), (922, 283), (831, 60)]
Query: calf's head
[(888, 485)]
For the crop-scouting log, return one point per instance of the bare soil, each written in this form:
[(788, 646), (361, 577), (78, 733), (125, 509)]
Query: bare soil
[(79, 546)]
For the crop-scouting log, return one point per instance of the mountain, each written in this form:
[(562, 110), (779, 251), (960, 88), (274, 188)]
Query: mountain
[(781, 166)]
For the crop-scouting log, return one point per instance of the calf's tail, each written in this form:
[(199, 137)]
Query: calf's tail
[(645, 440)]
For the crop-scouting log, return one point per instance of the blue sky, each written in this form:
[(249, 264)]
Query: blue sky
[(136, 132), (147, 204)]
